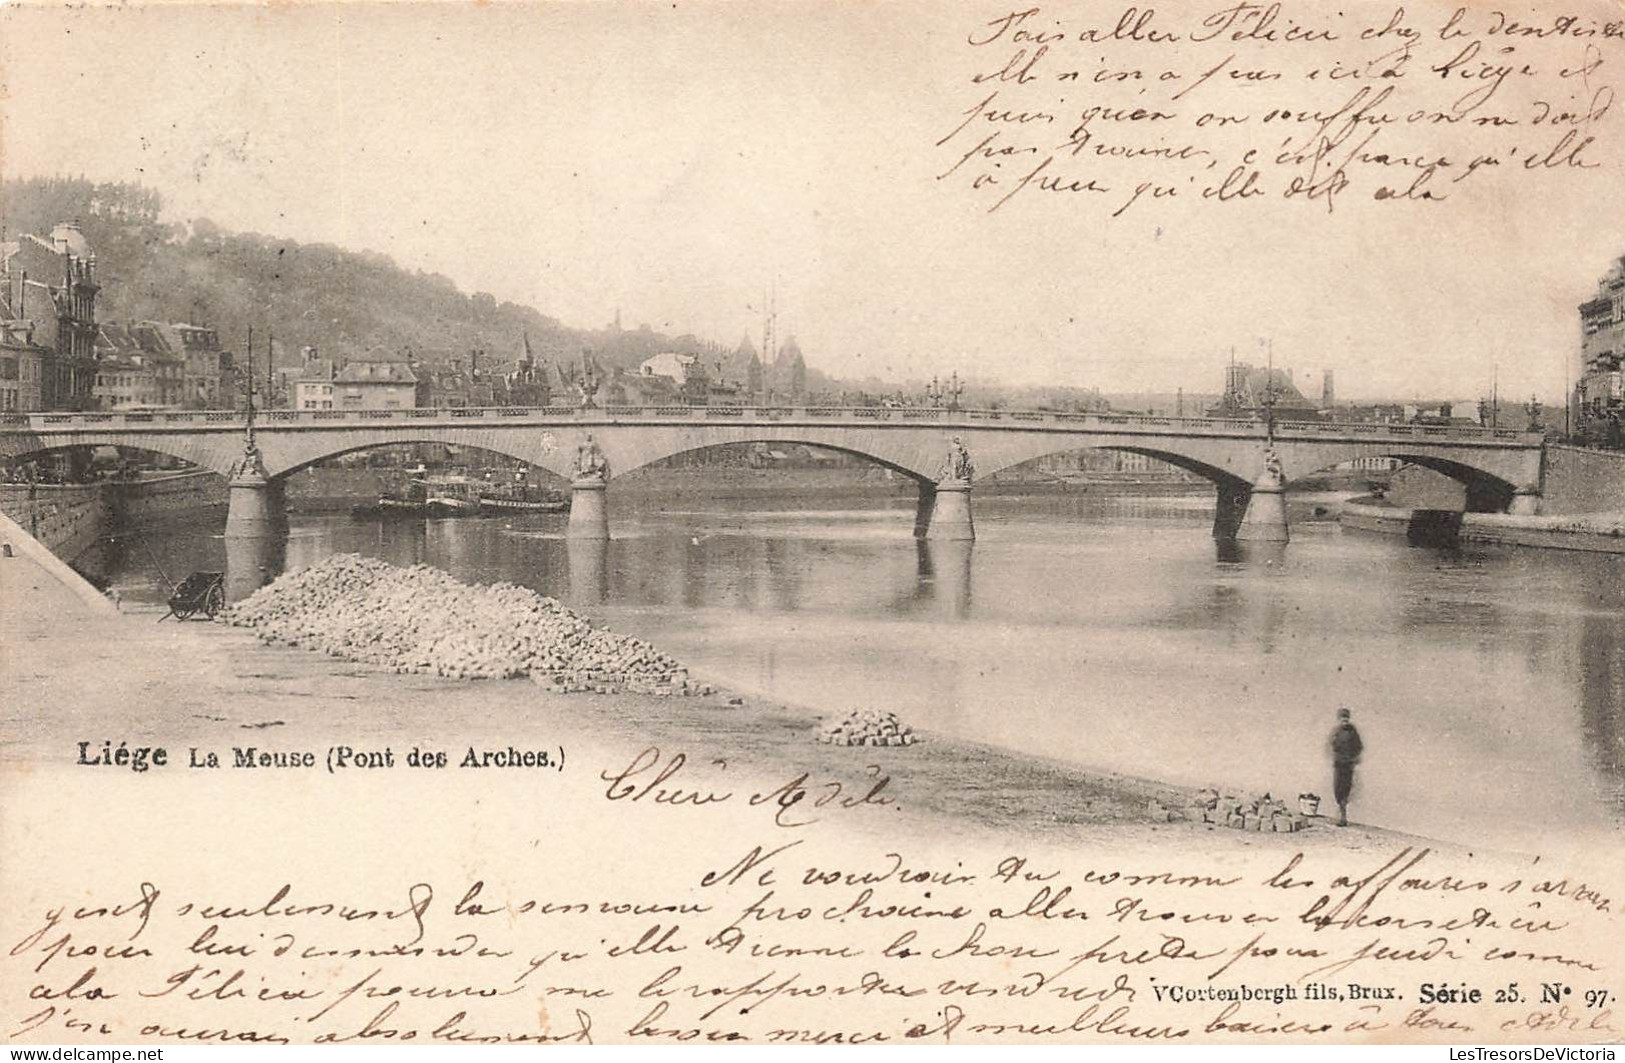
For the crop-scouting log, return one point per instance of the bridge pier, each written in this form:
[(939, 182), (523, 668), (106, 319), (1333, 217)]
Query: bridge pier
[(589, 574), (252, 561), (948, 516), (1265, 519), (256, 505), (589, 510), (923, 508), (1229, 507), (1525, 501)]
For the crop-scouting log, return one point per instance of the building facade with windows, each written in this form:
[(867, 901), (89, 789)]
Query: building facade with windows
[(134, 368), (313, 388), (1599, 394), (377, 386), (48, 295), (22, 369)]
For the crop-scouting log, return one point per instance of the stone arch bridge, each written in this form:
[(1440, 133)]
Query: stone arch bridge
[(1501, 469)]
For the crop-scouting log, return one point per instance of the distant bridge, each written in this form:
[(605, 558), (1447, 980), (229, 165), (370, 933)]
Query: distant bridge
[(1497, 466)]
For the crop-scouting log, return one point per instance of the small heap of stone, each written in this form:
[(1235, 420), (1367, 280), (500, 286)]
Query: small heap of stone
[(420, 619), (1260, 812), (868, 727)]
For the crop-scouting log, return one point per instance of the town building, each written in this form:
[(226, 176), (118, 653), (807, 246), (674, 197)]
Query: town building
[(788, 381), (1258, 392), (135, 370), (1100, 464), (690, 383), (205, 369), (454, 382), (313, 387), (49, 299), (22, 368), (378, 385), (1599, 393), (645, 389), (743, 370), (526, 384), (671, 365)]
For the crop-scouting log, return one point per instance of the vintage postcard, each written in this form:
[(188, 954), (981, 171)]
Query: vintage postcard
[(812, 523)]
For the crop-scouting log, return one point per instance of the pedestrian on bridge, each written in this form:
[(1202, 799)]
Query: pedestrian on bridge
[(1346, 749)]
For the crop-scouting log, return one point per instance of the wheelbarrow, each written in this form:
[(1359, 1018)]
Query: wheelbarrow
[(201, 592)]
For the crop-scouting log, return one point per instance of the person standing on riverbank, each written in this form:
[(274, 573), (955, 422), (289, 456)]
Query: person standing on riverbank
[(1346, 750)]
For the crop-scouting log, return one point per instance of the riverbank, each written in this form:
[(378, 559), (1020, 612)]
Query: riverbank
[(222, 689)]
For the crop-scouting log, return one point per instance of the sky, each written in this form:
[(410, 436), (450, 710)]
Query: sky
[(674, 161)]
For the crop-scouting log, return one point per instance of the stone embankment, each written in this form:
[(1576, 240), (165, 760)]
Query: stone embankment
[(71, 518), (66, 518), (1595, 532), (420, 619)]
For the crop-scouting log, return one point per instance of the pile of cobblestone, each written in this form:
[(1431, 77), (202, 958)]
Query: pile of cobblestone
[(420, 619), (1254, 812), (868, 727)]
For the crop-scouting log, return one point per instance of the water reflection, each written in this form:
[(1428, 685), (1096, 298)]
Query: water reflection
[(944, 576)]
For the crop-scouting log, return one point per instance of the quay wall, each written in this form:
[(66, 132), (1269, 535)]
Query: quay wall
[(1414, 487), (1582, 481), (1594, 533), (162, 497), (24, 555), (66, 519), (1573, 481)]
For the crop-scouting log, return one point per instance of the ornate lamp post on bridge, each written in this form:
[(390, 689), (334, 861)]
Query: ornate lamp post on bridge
[(1265, 518), (945, 394), (254, 499)]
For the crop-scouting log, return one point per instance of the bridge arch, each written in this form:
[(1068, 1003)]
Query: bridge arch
[(1221, 478), (16, 458), (1487, 490), (869, 458), (515, 453), (205, 452), (1490, 475)]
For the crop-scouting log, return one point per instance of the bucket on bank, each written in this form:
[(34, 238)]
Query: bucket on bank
[(1309, 804)]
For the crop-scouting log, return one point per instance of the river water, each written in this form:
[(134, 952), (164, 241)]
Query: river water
[(1110, 632)]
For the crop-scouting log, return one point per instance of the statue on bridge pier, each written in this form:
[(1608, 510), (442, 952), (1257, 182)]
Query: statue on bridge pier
[(590, 461), (957, 466), (252, 464), (1274, 474)]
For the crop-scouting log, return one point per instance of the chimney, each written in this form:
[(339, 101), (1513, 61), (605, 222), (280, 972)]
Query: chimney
[(1328, 395)]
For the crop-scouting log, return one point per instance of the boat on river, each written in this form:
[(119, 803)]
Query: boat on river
[(426, 496), (450, 496), (521, 498), (388, 507), (460, 496)]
